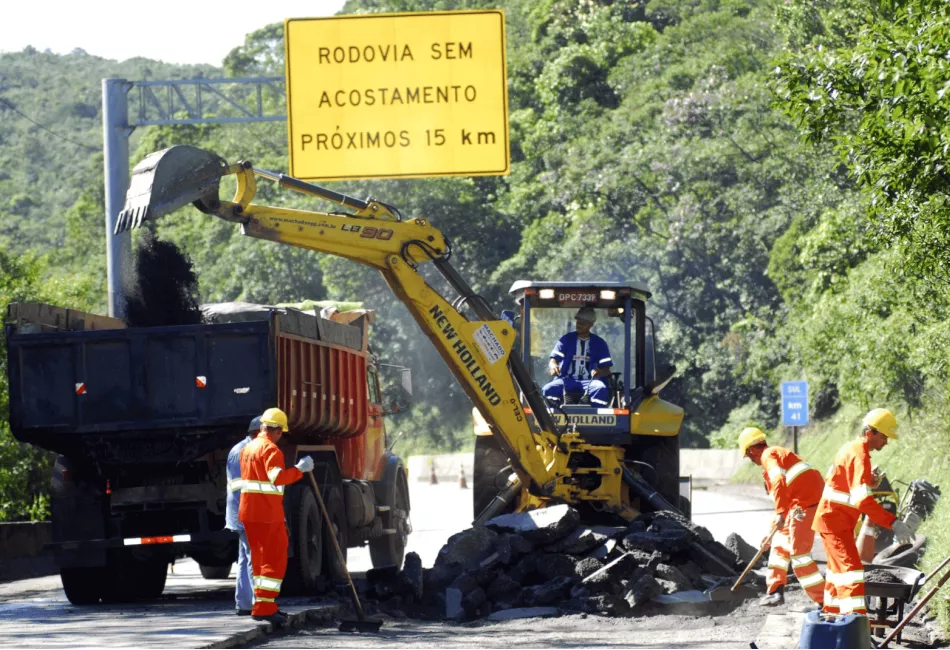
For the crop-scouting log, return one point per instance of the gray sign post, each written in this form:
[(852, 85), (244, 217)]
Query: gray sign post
[(179, 101), (115, 149)]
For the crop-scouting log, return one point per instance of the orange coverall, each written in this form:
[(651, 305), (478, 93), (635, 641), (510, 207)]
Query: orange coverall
[(262, 513), (847, 493), (793, 483)]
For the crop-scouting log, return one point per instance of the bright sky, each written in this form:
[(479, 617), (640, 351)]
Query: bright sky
[(175, 31)]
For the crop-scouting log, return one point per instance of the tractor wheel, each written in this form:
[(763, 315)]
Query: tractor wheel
[(663, 454), (487, 480)]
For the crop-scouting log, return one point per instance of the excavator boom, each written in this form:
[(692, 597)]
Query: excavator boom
[(549, 464)]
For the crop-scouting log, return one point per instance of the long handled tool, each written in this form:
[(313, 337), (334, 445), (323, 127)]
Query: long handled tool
[(920, 604), (363, 624), (765, 545)]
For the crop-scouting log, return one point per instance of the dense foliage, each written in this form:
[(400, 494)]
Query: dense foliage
[(772, 171)]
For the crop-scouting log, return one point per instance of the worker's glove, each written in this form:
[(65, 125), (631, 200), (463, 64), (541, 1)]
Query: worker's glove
[(779, 521), (305, 464), (902, 532)]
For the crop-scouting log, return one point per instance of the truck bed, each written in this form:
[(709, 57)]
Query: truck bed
[(182, 377)]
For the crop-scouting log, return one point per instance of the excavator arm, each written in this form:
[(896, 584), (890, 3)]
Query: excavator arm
[(548, 463)]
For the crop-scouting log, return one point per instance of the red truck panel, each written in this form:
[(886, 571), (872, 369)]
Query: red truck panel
[(322, 388)]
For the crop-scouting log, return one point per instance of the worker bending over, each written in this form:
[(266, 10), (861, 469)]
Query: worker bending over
[(243, 589), (847, 493), (262, 511), (795, 488), (580, 363)]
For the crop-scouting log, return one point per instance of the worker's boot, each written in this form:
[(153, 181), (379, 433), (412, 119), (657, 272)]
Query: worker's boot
[(277, 618), (773, 599)]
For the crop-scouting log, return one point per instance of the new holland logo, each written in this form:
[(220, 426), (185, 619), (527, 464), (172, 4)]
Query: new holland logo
[(586, 420)]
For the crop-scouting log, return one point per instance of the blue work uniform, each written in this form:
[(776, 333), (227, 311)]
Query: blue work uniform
[(578, 358), (243, 589)]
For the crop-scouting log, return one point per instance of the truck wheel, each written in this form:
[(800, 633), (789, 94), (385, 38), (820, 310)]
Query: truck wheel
[(489, 460), (150, 578), (129, 579), (82, 585), (333, 497), (389, 550), (209, 572), (306, 538)]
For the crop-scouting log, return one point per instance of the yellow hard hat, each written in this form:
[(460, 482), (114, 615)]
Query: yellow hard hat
[(749, 437), (275, 418), (882, 420)]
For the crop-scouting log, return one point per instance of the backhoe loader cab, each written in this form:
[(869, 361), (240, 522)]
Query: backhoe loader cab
[(634, 418), (547, 313)]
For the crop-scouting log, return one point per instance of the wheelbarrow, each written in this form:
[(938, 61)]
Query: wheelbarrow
[(891, 597)]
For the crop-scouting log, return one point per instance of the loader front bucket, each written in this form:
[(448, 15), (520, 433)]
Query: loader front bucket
[(167, 180)]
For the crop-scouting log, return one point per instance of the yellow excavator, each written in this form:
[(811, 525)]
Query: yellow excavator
[(549, 454)]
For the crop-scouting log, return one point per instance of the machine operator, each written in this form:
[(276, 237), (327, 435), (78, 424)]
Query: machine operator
[(580, 363)]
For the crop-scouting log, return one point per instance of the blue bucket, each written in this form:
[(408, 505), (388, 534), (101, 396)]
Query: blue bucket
[(848, 631)]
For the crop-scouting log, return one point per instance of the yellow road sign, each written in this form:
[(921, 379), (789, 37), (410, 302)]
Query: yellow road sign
[(397, 95)]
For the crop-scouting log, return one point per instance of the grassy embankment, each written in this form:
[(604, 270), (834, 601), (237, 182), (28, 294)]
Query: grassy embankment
[(923, 451)]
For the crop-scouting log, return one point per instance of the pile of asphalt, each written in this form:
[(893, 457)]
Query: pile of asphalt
[(547, 559)]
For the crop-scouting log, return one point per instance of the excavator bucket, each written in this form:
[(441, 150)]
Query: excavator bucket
[(167, 180)]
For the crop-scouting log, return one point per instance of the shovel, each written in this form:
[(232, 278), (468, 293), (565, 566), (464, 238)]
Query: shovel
[(765, 545), (362, 624), (719, 592)]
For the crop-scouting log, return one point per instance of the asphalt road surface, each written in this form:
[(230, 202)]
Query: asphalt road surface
[(195, 612)]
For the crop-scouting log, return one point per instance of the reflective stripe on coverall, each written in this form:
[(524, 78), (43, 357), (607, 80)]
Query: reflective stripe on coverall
[(793, 484), (846, 495), (262, 513)]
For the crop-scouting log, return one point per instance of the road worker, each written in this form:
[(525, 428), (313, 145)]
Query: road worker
[(580, 362), (263, 477), (795, 488), (243, 591), (847, 493)]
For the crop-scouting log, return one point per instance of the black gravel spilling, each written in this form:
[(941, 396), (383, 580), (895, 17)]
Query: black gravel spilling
[(547, 558)]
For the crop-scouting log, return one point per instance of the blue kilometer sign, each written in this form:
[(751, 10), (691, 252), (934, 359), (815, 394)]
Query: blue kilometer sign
[(794, 403)]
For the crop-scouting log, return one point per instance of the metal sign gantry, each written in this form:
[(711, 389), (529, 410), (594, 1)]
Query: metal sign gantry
[(170, 102)]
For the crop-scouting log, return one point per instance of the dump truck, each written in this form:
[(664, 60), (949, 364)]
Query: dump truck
[(547, 462), (142, 420)]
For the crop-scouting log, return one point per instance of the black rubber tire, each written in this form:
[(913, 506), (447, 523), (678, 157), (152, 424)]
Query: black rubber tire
[(150, 579), (663, 453), (489, 460), (83, 585), (130, 579), (686, 507), (335, 571), (306, 539), (209, 572), (390, 550)]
